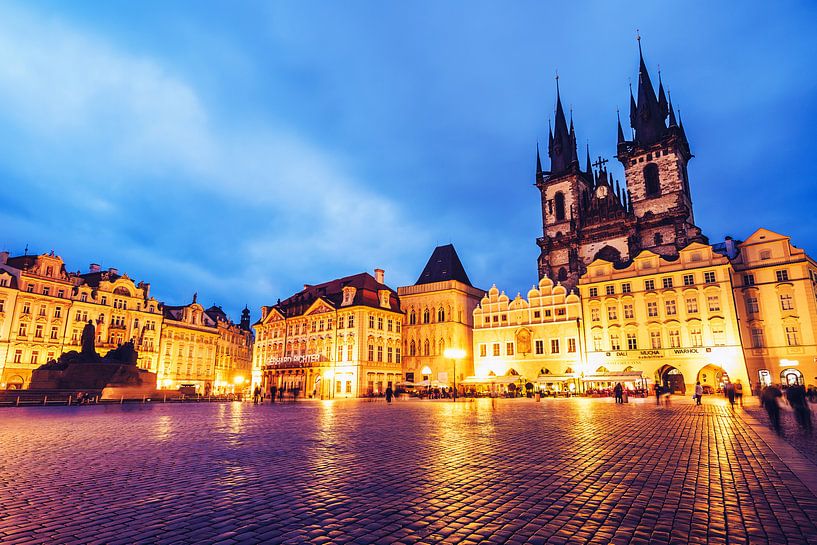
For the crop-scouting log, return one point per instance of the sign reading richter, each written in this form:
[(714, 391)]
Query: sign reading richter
[(295, 361)]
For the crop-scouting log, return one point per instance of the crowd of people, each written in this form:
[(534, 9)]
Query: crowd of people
[(797, 397)]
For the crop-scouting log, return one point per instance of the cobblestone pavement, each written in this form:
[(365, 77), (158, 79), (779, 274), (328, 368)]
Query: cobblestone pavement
[(804, 442), (515, 471)]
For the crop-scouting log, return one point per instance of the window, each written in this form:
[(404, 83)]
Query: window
[(597, 342), (709, 277), (791, 336), (426, 348), (23, 330), (61, 293), (748, 280), (632, 343), (380, 323), (652, 183), (38, 332), (554, 346), (495, 349), (782, 275), (4, 282), (397, 357), (539, 346), (718, 335), (669, 307), (483, 350), (649, 285), (35, 356), (655, 339), (46, 290), (625, 287), (30, 288), (441, 315), (611, 313), (537, 314), (786, 302), (594, 292), (371, 352), (83, 297), (689, 280), (371, 321), (390, 325), (628, 311), (714, 302), (652, 309), (341, 322), (315, 325), (560, 312), (692, 305), (559, 202), (426, 316), (351, 320), (695, 336), (340, 352), (18, 356), (757, 337), (348, 386), (504, 317), (752, 305), (615, 343), (610, 290), (58, 312), (571, 345), (379, 353), (509, 349), (412, 318), (667, 282), (26, 308), (674, 338), (2, 305)]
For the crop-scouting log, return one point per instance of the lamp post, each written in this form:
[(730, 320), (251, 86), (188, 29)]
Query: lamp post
[(454, 354), (427, 371)]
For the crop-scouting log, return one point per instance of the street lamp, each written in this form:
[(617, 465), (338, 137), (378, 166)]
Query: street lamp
[(427, 371), (454, 354)]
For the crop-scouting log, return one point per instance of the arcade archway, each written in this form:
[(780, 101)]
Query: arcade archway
[(791, 377), (714, 377), (672, 379)]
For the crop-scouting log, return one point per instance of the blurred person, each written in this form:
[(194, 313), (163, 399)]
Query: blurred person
[(769, 398)]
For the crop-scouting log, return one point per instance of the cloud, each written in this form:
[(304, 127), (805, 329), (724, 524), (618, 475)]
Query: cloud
[(116, 140)]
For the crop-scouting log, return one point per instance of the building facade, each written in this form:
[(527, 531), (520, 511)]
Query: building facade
[(527, 341), (775, 287), (439, 316), (188, 347), (233, 365), (341, 338), (587, 215), (672, 320)]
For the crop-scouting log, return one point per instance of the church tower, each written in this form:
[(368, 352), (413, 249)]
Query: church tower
[(565, 190), (655, 168)]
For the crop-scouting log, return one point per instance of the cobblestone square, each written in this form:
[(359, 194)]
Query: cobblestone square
[(484, 471)]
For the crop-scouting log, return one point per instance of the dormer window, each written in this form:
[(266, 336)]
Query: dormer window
[(384, 298), (348, 296)]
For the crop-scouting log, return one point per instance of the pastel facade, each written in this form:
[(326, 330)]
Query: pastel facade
[(775, 287), (342, 338), (439, 316), (534, 340), (674, 321)]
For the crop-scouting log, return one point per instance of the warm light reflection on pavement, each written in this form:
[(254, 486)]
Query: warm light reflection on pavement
[(566, 470)]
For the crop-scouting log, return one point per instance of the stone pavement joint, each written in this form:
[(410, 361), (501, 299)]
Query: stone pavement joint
[(484, 471)]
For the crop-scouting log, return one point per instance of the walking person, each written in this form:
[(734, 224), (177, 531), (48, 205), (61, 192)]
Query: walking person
[(618, 390), (796, 396), (272, 394), (389, 394), (657, 394), (739, 393), (699, 392), (768, 397), (256, 395)]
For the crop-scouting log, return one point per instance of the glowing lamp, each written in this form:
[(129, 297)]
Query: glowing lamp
[(454, 353)]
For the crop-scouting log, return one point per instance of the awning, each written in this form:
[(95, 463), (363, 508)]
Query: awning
[(505, 379), (624, 376), (547, 379), (424, 384)]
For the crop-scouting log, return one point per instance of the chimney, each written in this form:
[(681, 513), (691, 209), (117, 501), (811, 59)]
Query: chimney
[(4, 257), (380, 275), (94, 267)]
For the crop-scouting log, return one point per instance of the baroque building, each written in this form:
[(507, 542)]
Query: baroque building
[(534, 340), (189, 346), (587, 215), (439, 316), (775, 286), (341, 338), (233, 364)]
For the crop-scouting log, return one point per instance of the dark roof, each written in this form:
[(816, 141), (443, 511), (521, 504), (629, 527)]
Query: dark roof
[(444, 264), (366, 294), (93, 279), (217, 313)]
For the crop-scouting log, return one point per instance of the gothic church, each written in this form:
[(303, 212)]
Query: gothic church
[(587, 215)]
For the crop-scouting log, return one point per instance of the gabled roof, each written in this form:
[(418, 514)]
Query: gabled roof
[(444, 264), (763, 235), (366, 293)]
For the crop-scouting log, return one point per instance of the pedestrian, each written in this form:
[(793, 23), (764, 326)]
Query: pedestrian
[(699, 392), (739, 393), (256, 395), (796, 396), (281, 394), (768, 397), (729, 390), (657, 394), (667, 392), (389, 394), (272, 394), (618, 390)]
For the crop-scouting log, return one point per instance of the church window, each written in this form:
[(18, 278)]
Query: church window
[(560, 206), (441, 315), (426, 316), (651, 180), (562, 274), (782, 275)]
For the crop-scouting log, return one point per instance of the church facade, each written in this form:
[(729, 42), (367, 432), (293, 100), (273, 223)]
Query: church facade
[(586, 214)]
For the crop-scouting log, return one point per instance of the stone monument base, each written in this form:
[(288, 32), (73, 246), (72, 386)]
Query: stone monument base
[(95, 376)]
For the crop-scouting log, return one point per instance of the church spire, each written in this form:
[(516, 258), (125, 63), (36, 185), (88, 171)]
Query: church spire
[(662, 98), (672, 122), (621, 138), (538, 163), (562, 147), (649, 120)]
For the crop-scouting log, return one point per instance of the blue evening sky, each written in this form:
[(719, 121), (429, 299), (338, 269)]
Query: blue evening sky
[(241, 149)]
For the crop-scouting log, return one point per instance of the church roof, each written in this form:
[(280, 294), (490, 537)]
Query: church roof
[(444, 264)]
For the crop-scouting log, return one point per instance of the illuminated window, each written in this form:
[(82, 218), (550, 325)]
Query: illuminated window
[(351, 320), (752, 305), (615, 342), (655, 339), (695, 336), (632, 342), (594, 292), (427, 348), (611, 313), (495, 349), (718, 335), (483, 350), (509, 349), (441, 315), (571, 345), (597, 343), (397, 357), (692, 305), (628, 311), (674, 338), (412, 317), (18, 356), (426, 316), (380, 323), (652, 309), (714, 302), (371, 321), (371, 352), (23, 330), (379, 353), (669, 307)]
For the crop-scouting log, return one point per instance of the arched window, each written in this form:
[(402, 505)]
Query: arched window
[(560, 205), (426, 316), (413, 349), (412, 318), (651, 182), (562, 274), (441, 315), (441, 347), (426, 348)]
